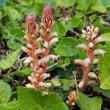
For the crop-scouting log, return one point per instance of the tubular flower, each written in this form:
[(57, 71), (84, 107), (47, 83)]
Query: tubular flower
[(38, 56), (90, 36)]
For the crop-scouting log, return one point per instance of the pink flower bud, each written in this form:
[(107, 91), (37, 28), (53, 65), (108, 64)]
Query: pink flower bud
[(47, 17), (30, 25)]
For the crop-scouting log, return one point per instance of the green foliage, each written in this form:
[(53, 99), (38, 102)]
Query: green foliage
[(33, 99), (106, 3), (82, 54), (104, 67), (83, 5), (65, 3), (5, 92), (73, 22), (67, 47), (104, 92), (70, 16), (10, 106), (64, 63), (9, 11), (67, 84), (86, 103), (9, 60), (60, 29), (105, 36), (23, 72), (98, 6)]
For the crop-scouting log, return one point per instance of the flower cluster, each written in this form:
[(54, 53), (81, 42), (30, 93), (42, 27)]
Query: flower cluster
[(38, 52), (72, 97), (90, 36)]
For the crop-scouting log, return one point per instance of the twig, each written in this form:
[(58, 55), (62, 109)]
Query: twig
[(77, 88), (104, 23), (55, 64), (18, 40)]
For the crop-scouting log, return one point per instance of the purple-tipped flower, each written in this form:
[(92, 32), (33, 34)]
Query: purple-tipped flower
[(47, 17), (30, 25)]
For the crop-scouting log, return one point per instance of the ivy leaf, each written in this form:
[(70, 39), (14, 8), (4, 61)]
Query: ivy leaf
[(98, 6), (83, 5), (67, 47), (86, 103), (105, 36), (32, 99), (9, 60), (65, 3), (5, 92), (104, 67)]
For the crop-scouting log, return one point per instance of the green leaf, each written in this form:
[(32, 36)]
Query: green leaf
[(73, 22), (104, 67), (65, 107), (56, 82), (32, 99), (13, 105), (18, 34), (67, 84), (64, 63), (106, 3), (101, 27), (23, 72), (86, 103), (60, 29), (83, 5), (9, 60), (82, 54), (5, 92), (105, 36), (67, 47), (65, 3), (12, 44), (12, 13), (104, 92), (98, 6)]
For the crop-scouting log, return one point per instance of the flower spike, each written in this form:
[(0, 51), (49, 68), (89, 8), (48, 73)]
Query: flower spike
[(33, 50), (90, 36)]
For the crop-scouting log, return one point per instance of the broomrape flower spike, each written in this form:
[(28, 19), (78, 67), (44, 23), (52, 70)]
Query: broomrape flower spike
[(90, 36), (33, 50)]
